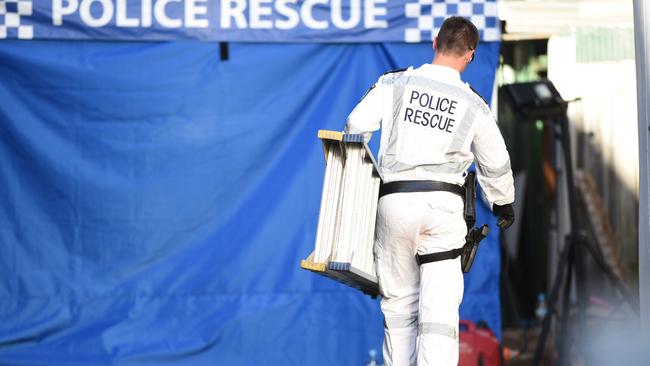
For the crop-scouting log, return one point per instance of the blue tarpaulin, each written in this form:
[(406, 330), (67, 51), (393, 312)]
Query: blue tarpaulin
[(155, 203)]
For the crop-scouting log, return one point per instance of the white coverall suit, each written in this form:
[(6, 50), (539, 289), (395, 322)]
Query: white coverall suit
[(433, 126)]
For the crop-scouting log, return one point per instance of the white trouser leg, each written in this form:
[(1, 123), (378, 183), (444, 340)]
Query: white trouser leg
[(409, 223), (441, 286), (398, 273)]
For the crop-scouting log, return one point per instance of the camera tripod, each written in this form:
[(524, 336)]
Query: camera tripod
[(571, 262)]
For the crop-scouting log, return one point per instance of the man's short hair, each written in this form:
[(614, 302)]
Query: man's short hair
[(457, 35)]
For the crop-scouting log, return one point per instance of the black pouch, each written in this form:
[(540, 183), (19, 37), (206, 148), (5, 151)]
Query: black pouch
[(469, 212)]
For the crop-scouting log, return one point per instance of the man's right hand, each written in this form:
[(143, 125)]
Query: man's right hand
[(505, 213)]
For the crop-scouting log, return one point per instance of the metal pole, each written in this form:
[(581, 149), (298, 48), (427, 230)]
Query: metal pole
[(642, 46)]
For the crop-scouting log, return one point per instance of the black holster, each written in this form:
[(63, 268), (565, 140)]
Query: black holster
[(469, 212), (472, 240), (467, 252)]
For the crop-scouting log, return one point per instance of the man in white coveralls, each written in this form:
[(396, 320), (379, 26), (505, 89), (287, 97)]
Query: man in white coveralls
[(433, 126)]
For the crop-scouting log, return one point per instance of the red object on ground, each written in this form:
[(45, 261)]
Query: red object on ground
[(478, 345)]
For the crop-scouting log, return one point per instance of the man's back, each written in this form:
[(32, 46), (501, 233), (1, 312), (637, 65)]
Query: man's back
[(433, 127)]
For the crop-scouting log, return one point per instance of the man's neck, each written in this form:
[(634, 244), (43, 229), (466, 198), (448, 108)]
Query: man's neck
[(455, 63)]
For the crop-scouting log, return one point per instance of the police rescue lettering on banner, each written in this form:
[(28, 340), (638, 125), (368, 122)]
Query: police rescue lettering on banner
[(239, 14), (99, 13), (257, 14), (348, 21), (444, 107)]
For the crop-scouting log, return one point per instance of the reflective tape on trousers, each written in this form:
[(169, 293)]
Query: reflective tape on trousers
[(438, 329), (400, 322)]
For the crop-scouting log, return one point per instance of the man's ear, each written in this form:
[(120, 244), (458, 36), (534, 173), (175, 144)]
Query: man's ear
[(435, 43)]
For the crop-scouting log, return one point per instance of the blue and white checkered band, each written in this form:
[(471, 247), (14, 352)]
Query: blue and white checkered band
[(12, 17), (327, 21), (427, 17)]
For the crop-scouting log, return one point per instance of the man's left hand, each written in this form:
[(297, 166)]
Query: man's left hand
[(505, 213)]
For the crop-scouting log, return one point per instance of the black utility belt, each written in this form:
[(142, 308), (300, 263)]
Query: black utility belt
[(468, 193), (409, 186)]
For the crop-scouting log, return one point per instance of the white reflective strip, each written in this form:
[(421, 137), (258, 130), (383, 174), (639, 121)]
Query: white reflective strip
[(391, 149), (398, 93), (463, 130), (493, 173), (388, 160), (393, 165), (440, 87), (452, 167), (400, 322), (439, 329)]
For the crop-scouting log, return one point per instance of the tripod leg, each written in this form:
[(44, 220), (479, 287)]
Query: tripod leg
[(582, 295), (563, 328), (546, 324)]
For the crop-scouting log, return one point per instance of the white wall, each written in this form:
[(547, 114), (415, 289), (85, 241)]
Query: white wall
[(598, 67)]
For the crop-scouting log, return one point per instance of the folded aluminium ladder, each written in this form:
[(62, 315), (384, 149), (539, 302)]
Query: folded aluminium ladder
[(346, 223)]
